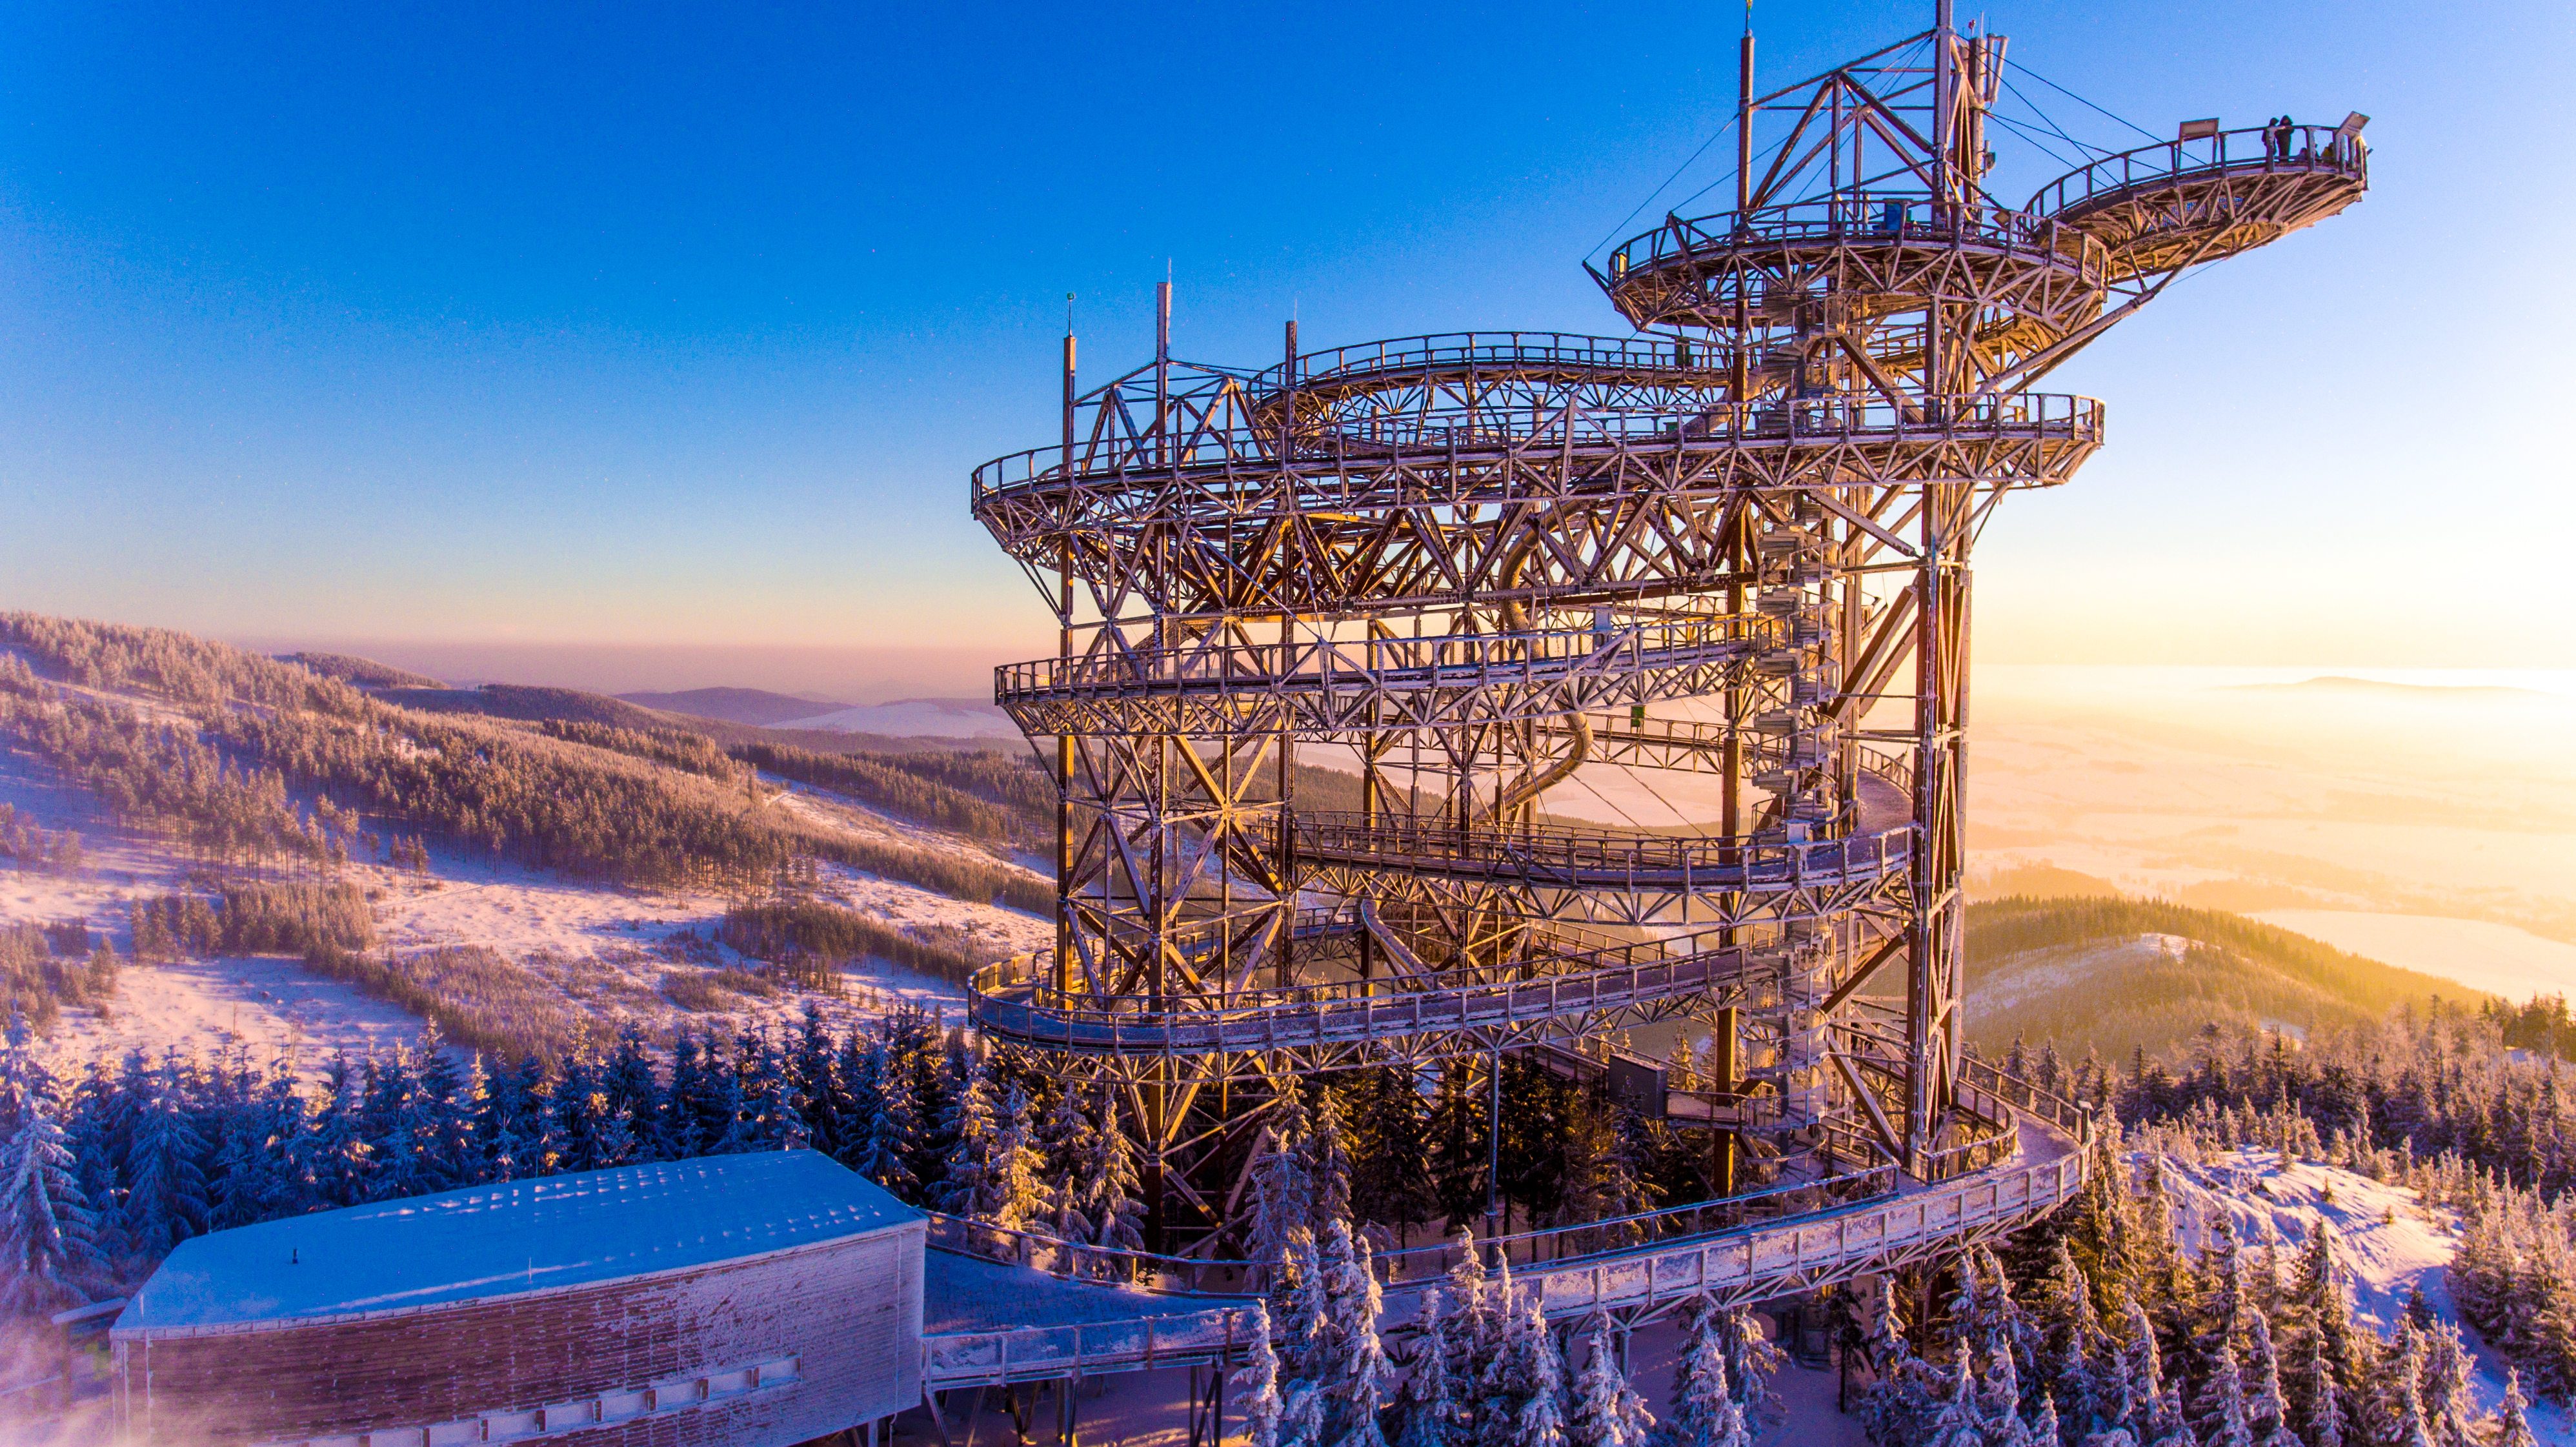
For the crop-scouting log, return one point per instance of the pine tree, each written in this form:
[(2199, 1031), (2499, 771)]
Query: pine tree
[(1257, 1380), (965, 1177), (2223, 1418), (1116, 1204), (2265, 1410), (1358, 1376), (1703, 1395), (1327, 1161), (1954, 1421), (1014, 1192), (2322, 1422), (2513, 1425), (2044, 1428), (166, 1202), (1426, 1414), (2449, 1411), (1752, 1359), (1283, 1194), (1607, 1412), (46, 1225), (1540, 1421), (883, 1126)]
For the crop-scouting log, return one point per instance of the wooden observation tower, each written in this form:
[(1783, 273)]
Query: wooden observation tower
[(1474, 569)]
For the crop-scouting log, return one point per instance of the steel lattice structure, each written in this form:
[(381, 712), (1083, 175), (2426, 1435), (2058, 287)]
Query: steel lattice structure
[(1474, 566)]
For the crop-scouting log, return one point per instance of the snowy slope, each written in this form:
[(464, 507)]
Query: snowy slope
[(2391, 1243)]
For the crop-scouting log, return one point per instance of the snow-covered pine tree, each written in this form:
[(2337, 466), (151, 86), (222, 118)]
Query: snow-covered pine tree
[(1954, 1420), (1703, 1395), (2223, 1420), (2073, 1335), (1301, 1416), (968, 1129), (2265, 1408), (46, 1226), (1327, 1151), (1999, 1394), (166, 1196), (882, 1126), (1116, 1207), (1067, 1142), (1257, 1382), (1014, 1195), (2320, 1411), (2045, 1430), (2225, 1295), (1473, 1331), (1540, 1421), (1606, 1410), (1752, 1359), (1504, 1387), (1282, 1193), (1360, 1379), (2450, 1413), (2513, 1421), (2173, 1423), (817, 1084), (1426, 1415), (631, 1085)]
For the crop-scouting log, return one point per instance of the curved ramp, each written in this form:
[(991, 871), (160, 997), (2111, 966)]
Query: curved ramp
[(986, 1322)]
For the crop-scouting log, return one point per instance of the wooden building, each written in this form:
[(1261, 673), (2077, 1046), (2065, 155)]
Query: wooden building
[(752, 1300)]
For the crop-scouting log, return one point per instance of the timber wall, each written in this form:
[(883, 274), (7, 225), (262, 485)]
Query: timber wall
[(761, 1352)]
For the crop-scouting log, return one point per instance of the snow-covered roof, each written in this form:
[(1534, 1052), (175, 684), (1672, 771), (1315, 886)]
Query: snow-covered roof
[(508, 1240)]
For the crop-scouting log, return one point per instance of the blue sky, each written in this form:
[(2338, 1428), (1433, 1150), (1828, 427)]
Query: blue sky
[(684, 325)]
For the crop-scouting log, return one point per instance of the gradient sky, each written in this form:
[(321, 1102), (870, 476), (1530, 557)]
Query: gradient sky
[(657, 324)]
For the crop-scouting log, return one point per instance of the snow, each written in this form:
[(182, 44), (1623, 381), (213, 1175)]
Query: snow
[(488, 1241), (2478, 953), (2390, 1242)]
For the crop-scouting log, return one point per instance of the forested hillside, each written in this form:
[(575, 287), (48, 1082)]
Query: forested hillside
[(242, 737), (2118, 974)]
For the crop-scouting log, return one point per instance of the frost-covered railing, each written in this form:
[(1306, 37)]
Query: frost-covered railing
[(1049, 1353), (1875, 1195)]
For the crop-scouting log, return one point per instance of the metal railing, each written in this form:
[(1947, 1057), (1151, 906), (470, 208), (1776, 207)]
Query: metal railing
[(1599, 857), (1356, 439), (1799, 1234), (2253, 150), (1858, 216), (1009, 999), (1445, 661), (1405, 358)]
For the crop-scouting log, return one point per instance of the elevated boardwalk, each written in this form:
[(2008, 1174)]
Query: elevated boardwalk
[(986, 1322)]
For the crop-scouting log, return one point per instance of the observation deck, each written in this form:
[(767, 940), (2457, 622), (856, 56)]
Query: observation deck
[(2179, 203), (1861, 254)]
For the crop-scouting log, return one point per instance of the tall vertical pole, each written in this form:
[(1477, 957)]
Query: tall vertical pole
[(1744, 113), (1163, 371), (1945, 103), (1286, 667), (1064, 742)]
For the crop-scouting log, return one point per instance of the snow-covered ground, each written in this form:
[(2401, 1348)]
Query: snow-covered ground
[(606, 950), (2391, 1243)]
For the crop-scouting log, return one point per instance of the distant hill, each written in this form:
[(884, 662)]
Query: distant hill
[(529, 703), (2117, 974), (363, 672), (961, 718), (735, 705)]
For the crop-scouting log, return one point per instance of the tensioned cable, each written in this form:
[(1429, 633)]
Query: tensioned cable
[(2082, 157), (2046, 119), (1668, 180), (2061, 90)]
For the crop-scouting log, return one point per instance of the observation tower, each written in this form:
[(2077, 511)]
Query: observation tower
[(1724, 558)]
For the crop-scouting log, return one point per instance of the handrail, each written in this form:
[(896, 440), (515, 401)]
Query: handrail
[(1334, 369), (1618, 974), (1857, 216), (1652, 1234), (2319, 148), (1439, 661), (1594, 852), (1471, 429)]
